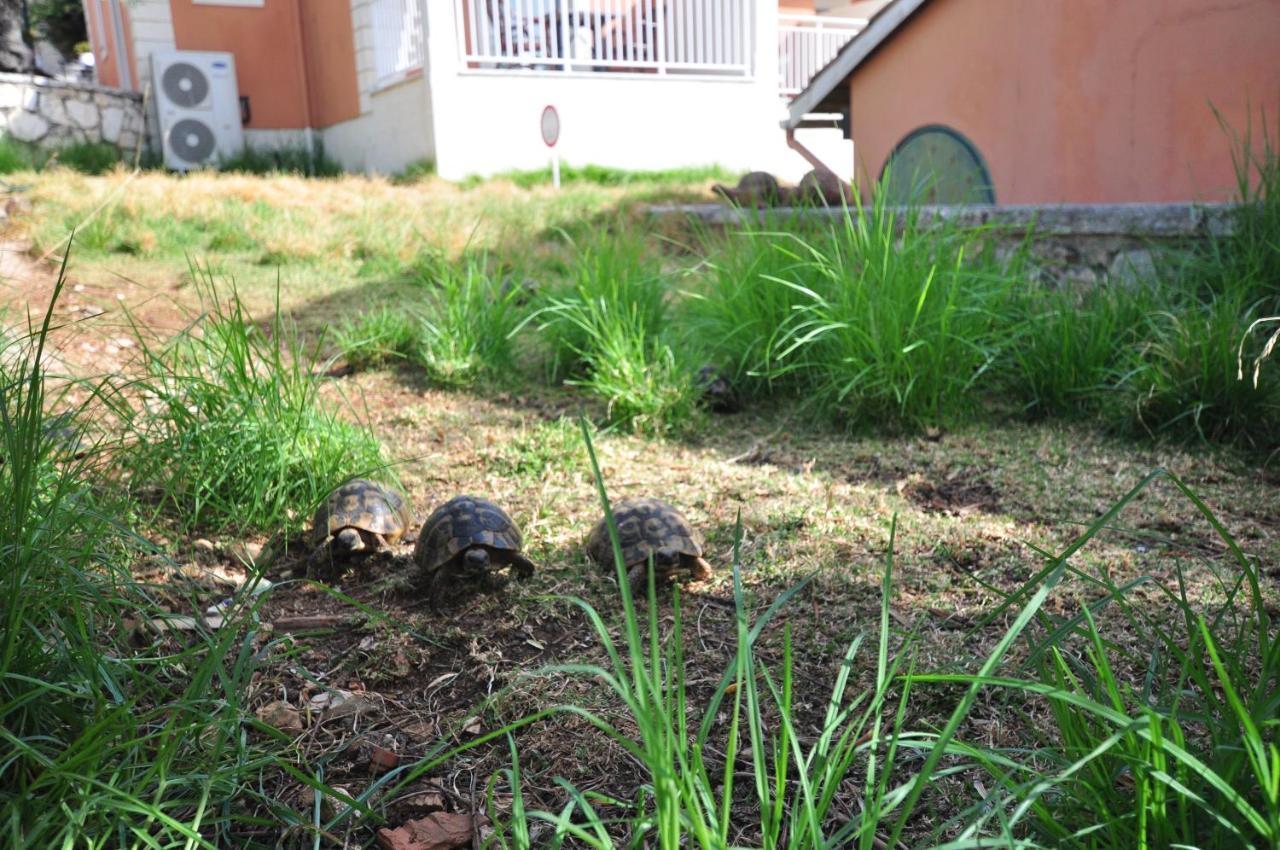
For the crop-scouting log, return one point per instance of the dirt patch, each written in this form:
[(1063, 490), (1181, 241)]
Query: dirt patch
[(959, 494)]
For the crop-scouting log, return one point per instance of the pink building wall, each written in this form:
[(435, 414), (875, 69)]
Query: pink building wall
[(1087, 101)]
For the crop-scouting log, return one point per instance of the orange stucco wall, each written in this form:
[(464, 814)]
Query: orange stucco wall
[(106, 53), (330, 49), (796, 7), (1088, 101), (268, 48)]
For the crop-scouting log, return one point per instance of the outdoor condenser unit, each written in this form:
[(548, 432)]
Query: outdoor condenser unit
[(198, 106)]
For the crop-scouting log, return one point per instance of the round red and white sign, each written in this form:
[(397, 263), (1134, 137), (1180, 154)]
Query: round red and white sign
[(550, 126)]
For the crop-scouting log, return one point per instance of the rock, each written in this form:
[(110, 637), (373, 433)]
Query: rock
[(282, 716), (52, 109), (112, 123), (203, 545), (83, 114), (439, 831), (10, 96), (28, 127)]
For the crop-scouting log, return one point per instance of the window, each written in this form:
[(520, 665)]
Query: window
[(397, 39)]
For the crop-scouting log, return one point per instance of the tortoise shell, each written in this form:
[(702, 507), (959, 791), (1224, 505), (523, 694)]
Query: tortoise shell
[(459, 524), (644, 526), (366, 506)]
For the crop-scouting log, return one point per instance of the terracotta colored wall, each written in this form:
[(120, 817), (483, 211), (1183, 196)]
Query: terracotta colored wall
[(330, 49), (98, 22), (1089, 101), (796, 7), (268, 48)]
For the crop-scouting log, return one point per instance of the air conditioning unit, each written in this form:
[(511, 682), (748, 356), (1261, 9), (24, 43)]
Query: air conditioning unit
[(198, 105)]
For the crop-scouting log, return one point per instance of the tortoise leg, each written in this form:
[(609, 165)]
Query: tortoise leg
[(638, 577), (522, 566), (701, 570), (320, 561)]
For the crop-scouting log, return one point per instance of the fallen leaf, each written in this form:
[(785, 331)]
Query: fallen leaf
[(381, 760), (472, 726), (438, 831)]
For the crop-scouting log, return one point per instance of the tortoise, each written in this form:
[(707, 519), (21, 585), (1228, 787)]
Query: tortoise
[(650, 527), (471, 537), (360, 517), (825, 188), (755, 189), (716, 389)]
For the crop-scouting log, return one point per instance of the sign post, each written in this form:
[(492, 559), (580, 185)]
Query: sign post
[(551, 135)]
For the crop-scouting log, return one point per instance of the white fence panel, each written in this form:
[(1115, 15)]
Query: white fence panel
[(806, 43), (705, 37), (397, 38)]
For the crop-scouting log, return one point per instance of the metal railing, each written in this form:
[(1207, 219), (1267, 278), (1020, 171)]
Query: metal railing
[(806, 43), (398, 47), (707, 37)]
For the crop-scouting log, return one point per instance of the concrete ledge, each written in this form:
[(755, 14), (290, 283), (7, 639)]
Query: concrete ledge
[(49, 83), (1159, 221)]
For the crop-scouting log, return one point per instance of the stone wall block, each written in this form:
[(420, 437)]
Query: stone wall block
[(84, 114), (28, 126), (52, 109), (112, 123)]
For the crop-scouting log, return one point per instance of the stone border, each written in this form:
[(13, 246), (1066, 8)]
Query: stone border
[(56, 113), (1073, 244), (1159, 221)]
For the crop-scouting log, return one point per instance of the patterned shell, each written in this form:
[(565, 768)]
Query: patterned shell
[(365, 505), (643, 526), (460, 523)]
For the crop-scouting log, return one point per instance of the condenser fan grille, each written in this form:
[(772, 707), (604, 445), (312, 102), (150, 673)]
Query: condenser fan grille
[(185, 85), (192, 140)]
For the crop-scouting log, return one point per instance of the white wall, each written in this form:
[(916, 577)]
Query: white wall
[(152, 24), (489, 122), (394, 132)]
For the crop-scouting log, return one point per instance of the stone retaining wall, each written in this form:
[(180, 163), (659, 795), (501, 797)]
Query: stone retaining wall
[(1072, 244), (55, 113)]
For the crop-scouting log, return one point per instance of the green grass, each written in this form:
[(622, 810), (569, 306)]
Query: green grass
[(868, 319), (1188, 757), (231, 432), (468, 322), (377, 338), (291, 159), (106, 743), (607, 331), (601, 175), (86, 157)]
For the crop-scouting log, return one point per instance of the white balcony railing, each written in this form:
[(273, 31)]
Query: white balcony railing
[(806, 43), (398, 48), (706, 37)]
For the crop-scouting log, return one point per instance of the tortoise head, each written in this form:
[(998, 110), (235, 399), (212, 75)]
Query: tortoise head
[(347, 540), (666, 557), (476, 560)]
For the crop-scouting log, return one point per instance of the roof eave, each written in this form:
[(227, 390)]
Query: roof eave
[(850, 57)]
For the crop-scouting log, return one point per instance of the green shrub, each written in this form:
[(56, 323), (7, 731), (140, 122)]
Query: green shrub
[(232, 433), (377, 338), (86, 157), (17, 156), (468, 322), (871, 318), (292, 159), (606, 330)]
